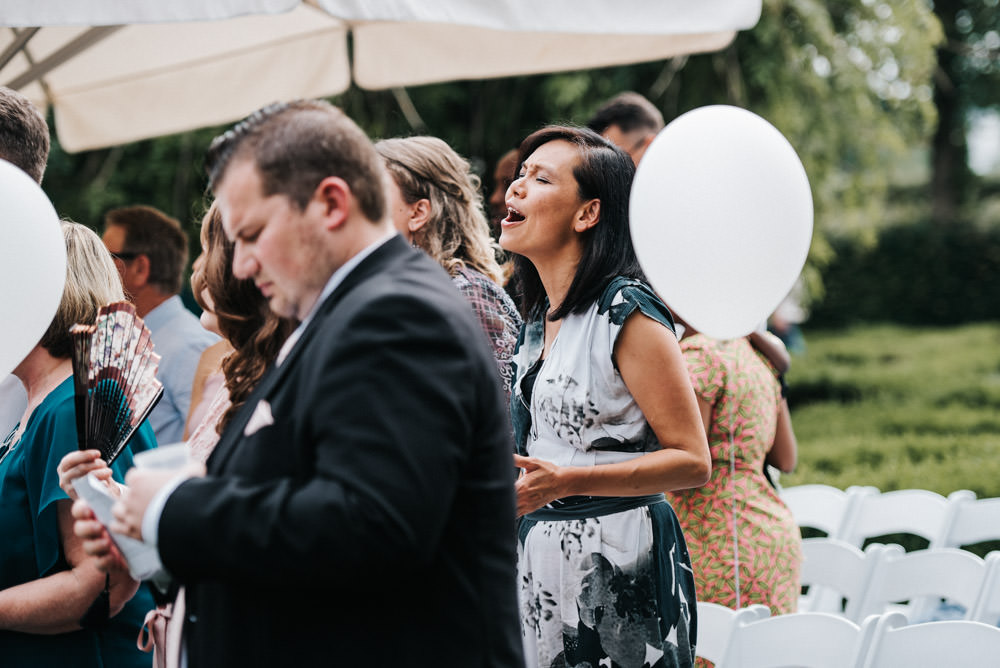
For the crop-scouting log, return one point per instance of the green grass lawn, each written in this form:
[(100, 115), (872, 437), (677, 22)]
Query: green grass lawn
[(899, 407)]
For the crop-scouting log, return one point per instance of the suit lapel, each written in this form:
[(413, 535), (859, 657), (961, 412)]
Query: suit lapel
[(387, 253)]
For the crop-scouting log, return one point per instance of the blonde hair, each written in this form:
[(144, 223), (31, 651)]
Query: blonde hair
[(92, 281), (457, 233)]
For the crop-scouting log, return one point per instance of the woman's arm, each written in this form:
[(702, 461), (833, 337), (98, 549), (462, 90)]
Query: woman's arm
[(650, 362), (773, 349), (784, 451), (55, 603)]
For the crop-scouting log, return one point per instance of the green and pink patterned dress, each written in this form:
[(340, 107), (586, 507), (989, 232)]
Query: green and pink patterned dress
[(745, 395)]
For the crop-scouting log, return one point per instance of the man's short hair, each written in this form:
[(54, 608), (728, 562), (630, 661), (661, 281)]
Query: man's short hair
[(629, 111), (24, 134), (159, 237), (295, 145)]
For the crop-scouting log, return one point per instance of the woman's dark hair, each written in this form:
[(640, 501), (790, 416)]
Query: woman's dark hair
[(605, 173), (245, 319)]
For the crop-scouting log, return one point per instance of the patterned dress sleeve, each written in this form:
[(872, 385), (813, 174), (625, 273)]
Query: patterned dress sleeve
[(497, 316), (708, 376), (624, 296)]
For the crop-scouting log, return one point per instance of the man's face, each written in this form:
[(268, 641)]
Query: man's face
[(114, 241), (279, 247), (634, 143)]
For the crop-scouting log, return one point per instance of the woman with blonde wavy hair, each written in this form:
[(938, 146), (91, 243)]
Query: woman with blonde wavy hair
[(436, 204), (56, 607), (235, 309)]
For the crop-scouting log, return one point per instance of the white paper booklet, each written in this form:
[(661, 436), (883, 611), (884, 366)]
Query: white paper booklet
[(143, 560)]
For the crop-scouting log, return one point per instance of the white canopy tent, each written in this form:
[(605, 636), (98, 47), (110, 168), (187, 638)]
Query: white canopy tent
[(117, 71)]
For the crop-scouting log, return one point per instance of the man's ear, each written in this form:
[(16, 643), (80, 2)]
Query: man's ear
[(588, 215), (139, 269), (333, 196), (419, 214)]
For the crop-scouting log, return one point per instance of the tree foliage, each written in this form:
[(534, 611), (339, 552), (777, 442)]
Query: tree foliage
[(967, 78), (848, 82)]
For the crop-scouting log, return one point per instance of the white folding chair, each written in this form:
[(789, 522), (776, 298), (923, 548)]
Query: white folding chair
[(922, 578), (806, 639), (715, 623), (987, 606), (914, 511), (971, 521), (834, 571), (822, 507), (953, 643)]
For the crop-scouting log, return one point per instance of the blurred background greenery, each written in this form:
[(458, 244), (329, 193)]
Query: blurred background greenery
[(894, 109)]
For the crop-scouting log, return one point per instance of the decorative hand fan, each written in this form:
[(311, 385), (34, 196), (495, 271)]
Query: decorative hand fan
[(114, 379)]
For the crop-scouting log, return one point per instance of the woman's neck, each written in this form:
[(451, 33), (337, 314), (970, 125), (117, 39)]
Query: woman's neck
[(556, 276), (40, 373)]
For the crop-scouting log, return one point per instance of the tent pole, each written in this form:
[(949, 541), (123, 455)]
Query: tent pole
[(21, 38), (78, 45)]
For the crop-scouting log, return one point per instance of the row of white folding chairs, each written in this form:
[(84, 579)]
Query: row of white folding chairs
[(750, 638), (858, 513), (844, 580)]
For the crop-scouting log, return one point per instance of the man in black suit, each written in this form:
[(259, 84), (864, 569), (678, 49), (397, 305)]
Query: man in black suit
[(359, 509)]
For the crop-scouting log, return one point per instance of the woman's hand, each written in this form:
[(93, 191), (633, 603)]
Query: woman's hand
[(97, 542), (540, 483), (79, 463)]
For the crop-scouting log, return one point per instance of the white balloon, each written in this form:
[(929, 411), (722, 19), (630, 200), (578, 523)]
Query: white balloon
[(721, 217), (32, 264)]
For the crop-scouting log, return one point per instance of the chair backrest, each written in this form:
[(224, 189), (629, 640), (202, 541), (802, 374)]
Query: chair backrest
[(806, 639), (834, 571), (971, 521), (821, 506), (913, 511), (987, 607), (715, 624), (919, 577), (951, 643)]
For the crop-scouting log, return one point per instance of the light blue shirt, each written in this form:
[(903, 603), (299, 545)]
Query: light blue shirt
[(179, 340)]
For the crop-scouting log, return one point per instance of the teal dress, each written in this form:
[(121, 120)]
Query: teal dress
[(31, 549)]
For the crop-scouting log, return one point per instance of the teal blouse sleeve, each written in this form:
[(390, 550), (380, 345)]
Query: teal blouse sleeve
[(46, 441)]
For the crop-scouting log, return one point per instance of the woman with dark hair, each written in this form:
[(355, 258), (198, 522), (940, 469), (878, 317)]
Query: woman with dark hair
[(242, 316), (604, 416)]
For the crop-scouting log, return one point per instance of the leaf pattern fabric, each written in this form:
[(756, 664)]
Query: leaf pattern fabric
[(745, 395)]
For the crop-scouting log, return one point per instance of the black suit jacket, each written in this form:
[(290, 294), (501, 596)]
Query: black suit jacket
[(372, 523)]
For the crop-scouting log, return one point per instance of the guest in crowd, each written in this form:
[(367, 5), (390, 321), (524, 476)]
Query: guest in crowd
[(253, 335), (629, 121), (47, 582), (503, 175), (748, 425), (604, 416), (150, 250), (436, 204), (370, 466), (24, 142)]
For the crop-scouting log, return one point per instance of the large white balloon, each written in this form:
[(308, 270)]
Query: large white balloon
[(721, 217), (32, 264)]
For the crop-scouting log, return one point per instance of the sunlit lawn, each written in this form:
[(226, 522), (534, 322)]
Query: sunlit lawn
[(899, 407)]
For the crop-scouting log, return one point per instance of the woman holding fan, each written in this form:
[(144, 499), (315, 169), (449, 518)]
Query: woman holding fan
[(238, 311), (56, 607)]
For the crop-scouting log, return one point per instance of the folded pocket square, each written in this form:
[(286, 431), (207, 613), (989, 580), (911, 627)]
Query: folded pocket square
[(261, 418)]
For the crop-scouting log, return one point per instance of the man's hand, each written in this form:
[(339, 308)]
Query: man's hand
[(143, 484)]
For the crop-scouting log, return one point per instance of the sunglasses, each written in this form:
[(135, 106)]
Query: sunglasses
[(125, 256)]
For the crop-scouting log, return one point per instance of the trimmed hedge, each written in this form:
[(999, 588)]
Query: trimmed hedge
[(916, 274)]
